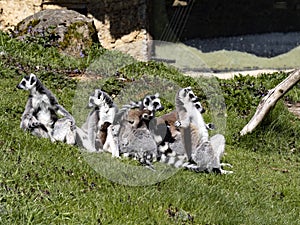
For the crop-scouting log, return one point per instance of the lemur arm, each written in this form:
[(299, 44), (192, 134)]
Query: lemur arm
[(27, 116), (111, 144), (62, 111), (92, 127), (184, 119), (178, 124)]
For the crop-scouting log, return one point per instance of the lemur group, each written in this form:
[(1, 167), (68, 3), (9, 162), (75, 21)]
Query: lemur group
[(179, 138)]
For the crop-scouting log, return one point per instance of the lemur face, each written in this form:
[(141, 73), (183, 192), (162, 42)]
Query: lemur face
[(137, 117), (152, 103), (96, 99), (28, 82), (189, 95), (100, 99)]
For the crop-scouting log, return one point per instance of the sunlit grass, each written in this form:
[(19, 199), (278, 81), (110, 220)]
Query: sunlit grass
[(52, 183)]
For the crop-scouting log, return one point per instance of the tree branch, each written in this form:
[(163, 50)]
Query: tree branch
[(269, 101)]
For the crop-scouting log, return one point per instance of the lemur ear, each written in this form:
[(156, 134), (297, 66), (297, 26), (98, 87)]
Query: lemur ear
[(210, 126), (156, 95), (33, 79)]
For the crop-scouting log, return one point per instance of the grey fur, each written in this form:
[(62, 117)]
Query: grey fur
[(129, 135), (41, 113), (204, 151), (103, 111)]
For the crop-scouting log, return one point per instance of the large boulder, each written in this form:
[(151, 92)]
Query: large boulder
[(69, 30)]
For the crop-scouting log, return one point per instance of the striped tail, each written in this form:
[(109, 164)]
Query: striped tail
[(180, 161), (144, 159)]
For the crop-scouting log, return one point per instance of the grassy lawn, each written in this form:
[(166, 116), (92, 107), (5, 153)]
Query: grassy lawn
[(53, 183)]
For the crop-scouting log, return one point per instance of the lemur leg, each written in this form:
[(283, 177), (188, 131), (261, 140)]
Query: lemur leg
[(111, 143), (225, 171), (29, 122), (102, 135), (62, 131), (27, 115), (218, 145), (185, 128), (82, 140), (36, 127), (90, 128)]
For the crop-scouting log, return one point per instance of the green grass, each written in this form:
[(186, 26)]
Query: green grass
[(53, 183), (225, 60)]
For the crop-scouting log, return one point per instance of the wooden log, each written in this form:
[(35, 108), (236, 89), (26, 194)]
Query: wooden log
[(269, 101)]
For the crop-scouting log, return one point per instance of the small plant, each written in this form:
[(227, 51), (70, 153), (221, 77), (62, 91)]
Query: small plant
[(45, 37)]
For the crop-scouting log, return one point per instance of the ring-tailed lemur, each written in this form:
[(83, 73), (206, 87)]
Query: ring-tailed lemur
[(93, 132), (176, 147), (167, 134), (41, 113), (204, 151), (130, 134), (133, 138)]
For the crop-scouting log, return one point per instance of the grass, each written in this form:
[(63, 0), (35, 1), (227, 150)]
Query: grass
[(53, 183), (224, 60)]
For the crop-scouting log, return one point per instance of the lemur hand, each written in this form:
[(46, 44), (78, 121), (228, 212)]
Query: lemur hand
[(177, 124)]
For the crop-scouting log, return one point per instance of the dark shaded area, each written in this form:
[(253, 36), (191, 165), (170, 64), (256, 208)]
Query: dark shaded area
[(76, 5), (218, 18), (122, 17), (203, 24), (265, 28)]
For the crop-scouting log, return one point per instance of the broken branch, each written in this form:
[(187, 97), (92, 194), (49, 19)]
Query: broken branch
[(269, 101)]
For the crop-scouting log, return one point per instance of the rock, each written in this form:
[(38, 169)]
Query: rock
[(68, 30), (130, 37)]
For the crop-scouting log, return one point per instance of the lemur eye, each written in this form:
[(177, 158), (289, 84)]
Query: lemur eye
[(155, 104), (23, 83), (191, 95), (92, 101), (32, 81), (197, 106), (145, 116), (146, 101), (196, 99)]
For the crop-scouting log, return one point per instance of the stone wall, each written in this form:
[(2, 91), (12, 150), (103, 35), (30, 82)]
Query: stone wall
[(121, 25), (13, 11)]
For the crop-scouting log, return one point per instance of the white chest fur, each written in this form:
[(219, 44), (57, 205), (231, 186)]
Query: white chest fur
[(41, 103), (197, 119), (106, 114)]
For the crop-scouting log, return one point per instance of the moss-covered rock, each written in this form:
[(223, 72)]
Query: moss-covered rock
[(71, 31)]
